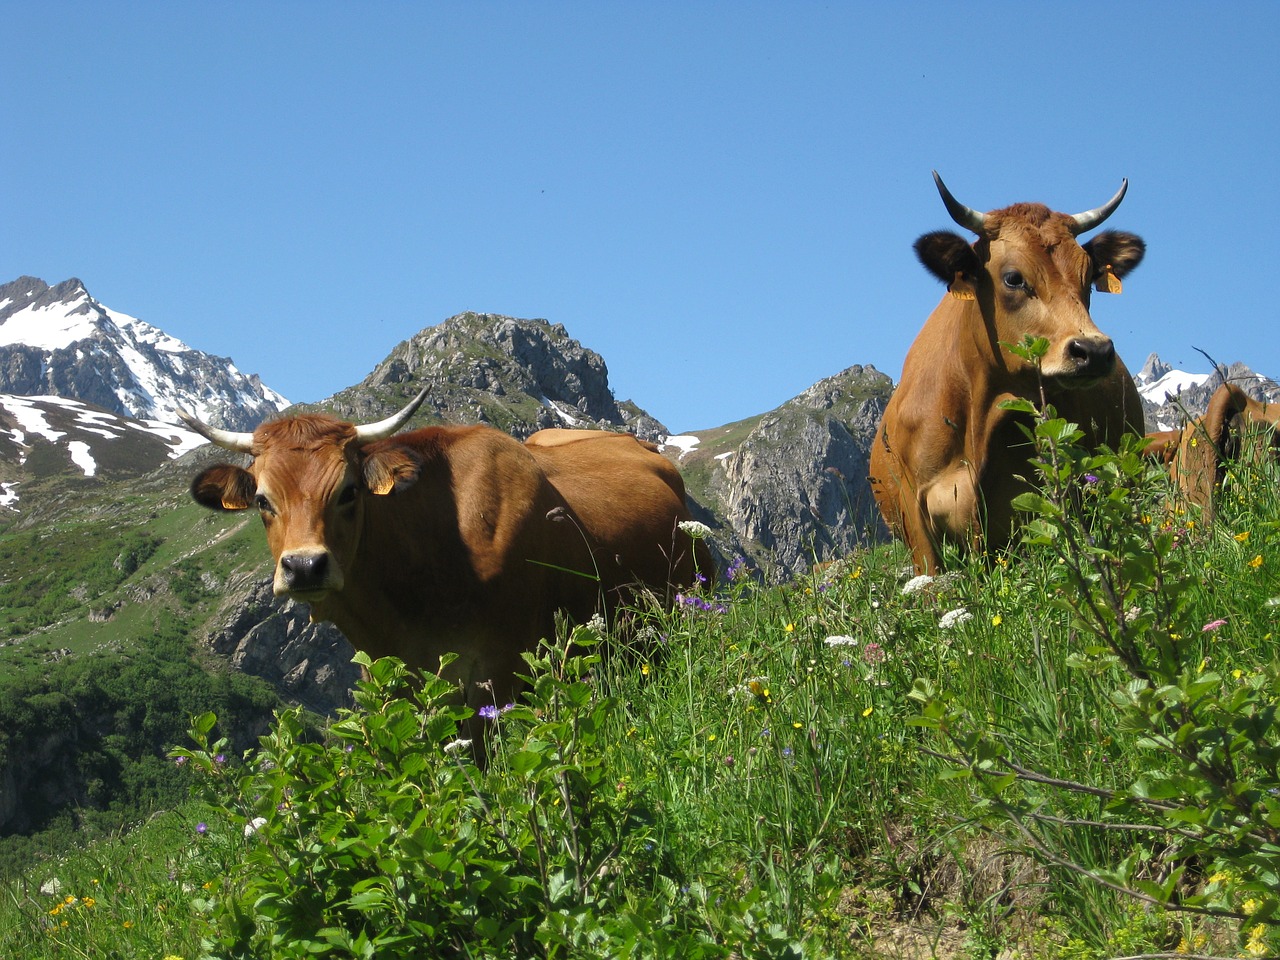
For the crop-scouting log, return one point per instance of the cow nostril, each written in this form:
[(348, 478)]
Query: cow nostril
[(304, 570), (1092, 355)]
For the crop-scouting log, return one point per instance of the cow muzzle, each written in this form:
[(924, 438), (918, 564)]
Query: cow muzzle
[(1088, 359), (306, 575)]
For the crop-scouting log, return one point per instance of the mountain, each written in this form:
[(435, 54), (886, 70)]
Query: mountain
[(517, 375), (1170, 397), (61, 341), (789, 488)]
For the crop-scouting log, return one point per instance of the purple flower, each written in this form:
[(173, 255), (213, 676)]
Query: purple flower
[(220, 758), (1213, 625), (180, 761), (786, 751), (202, 828), (873, 653), (489, 712), (1090, 478)]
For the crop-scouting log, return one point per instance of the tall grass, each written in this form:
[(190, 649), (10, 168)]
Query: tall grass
[(748, 775)]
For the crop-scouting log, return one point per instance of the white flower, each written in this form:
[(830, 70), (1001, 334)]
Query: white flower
[(695, 529), (51, 887), (254, 825), (917, 583), (839, 641), (454, 746), (953, 618)]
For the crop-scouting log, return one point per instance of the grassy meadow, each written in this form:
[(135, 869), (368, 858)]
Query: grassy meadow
[(1066, 752)]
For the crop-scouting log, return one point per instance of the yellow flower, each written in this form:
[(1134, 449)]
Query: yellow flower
[(644, 669), (867, 712), (797, 724), (1250, 906), (1256, 562), (997, 620), (856, 573), (790, 628), (88, 901), (1242, 537), (711, 739), (127, 924)]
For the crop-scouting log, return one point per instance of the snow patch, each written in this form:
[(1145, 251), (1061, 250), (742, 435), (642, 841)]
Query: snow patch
[(686, 443), (1172, 384), (8, 494), (29, 417), (82, 457)]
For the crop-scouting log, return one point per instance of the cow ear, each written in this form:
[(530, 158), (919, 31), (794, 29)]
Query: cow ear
[(224, 487), (946, 254), (390, 469), (1114, 254)]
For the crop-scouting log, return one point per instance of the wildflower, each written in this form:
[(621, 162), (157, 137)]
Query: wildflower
[(711, 738), (127, 924), (695, 529), (644, 669), (786, 751), (1250, 906), (1091, 478), (840, 641), (790, 628), (202, 828), (857, 572), (915, 584), (254, 825), (997, 620), (728, 760), (1212, 625), (1256, 562), (953, 618), (797, 724), (488, 711), (736, 568), (873, 654), (1242, 537), (51, 887), (220, 758), (867, 712), (180, 761), (1257, 943), (456, 746)]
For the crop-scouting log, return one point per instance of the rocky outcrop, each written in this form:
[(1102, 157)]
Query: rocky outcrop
[(518, 375), (790, 488), (273, 639)]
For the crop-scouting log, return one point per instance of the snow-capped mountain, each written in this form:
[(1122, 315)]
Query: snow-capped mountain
[(60, 341), (1170, 397), (42, 437)]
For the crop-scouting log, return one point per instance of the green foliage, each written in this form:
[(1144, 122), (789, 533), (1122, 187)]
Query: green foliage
[(388, 840), (1201, 811)]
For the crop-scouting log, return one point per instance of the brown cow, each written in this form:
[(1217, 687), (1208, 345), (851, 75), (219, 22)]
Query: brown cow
[(455, 539), (947, 461), (1198, 454)]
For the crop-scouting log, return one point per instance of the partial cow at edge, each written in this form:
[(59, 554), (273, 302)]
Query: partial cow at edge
[(1235, 426), (457, 539), (947, 461)]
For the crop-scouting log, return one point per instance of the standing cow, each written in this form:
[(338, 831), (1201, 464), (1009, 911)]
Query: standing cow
[(947, 461), (456, 539)]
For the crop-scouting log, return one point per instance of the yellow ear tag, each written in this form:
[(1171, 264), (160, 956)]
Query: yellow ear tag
[(1108, 282), (961, 289)]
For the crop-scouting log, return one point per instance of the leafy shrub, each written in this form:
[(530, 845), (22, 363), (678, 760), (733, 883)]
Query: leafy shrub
[(389, 840)]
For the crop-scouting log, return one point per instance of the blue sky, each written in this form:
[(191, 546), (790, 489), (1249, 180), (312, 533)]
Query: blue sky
[(719, 198)]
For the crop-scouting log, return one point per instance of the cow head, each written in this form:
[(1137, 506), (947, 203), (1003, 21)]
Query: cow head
[(1030, 276), (309, 479)]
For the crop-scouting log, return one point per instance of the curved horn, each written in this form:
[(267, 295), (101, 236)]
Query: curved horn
[(227, 439), (967, 217), (1092, 218), (368, 432)]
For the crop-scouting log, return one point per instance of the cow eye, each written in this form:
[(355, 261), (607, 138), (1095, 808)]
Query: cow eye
[(1014, 280), (347, 495), (263, 504)]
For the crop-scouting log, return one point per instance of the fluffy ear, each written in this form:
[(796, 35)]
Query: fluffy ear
[(391, 468), (224, 487), (1114, 254), (946, 255)]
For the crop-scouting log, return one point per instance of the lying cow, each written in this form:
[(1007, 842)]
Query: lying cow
[(1198, 454), (947, 461), (456, 539)]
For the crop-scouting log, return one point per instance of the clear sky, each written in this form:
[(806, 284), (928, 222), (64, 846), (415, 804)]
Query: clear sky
[(718, 197)]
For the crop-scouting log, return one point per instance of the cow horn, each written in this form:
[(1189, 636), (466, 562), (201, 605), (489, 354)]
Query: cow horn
[(967, 217), (1092, 218), (365, 433), (228, 439)]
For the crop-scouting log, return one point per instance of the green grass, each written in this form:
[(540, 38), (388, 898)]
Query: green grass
[(778, 773)]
